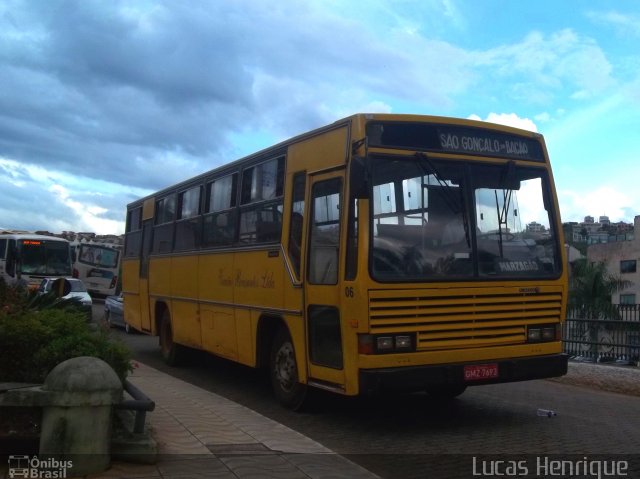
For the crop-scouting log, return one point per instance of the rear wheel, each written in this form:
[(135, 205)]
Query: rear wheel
[(171, 352), (284, 372)]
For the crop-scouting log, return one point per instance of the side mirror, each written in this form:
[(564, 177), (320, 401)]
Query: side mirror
[(359, 179)]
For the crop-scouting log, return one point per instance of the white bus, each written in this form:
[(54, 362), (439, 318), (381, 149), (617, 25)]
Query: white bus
[(97, 265), (28, 257)]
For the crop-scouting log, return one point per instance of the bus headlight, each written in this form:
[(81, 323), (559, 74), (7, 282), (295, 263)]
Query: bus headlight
[(549, 333), (541, 333), (373, 344), (403, 343), (384, 343)]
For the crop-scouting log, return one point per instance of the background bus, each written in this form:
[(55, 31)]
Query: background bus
[(98, 266), (396, 252), (28, 258)]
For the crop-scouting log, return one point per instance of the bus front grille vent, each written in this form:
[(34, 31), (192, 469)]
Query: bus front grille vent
[(463, 318)]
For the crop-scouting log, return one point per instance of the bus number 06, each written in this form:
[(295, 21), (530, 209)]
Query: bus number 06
[(348, 291)]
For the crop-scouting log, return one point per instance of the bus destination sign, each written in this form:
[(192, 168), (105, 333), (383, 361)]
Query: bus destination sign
[(459, 139), (484, 143)]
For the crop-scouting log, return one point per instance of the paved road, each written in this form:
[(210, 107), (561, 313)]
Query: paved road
[(406, 436)]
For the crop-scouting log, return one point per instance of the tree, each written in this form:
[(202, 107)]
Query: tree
[(590, 290)]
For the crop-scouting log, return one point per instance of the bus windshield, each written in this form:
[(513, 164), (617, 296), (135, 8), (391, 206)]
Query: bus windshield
[(434, 220), (99, 256), (42, 257)]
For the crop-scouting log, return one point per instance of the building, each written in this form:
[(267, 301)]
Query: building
[(621, 258), (592, 232)]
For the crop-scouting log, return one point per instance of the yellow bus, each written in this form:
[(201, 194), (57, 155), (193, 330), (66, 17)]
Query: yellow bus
[(381, 252)]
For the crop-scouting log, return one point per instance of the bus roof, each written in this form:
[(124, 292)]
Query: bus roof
[(358, 118), (30, 236)]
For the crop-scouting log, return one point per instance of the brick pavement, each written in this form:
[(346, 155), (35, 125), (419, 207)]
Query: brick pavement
[(202, 434)]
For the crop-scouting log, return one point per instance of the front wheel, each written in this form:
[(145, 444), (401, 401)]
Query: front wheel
[(284, 372), (171, 352)]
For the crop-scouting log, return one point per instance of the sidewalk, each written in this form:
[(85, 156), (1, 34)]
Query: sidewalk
[(604, 377), (201, 434)]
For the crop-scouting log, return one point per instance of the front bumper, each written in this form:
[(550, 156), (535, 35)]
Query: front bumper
[(419, 378)]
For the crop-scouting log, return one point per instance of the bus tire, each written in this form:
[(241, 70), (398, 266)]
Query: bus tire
[(284, 372), (444, 393), (171, 352)]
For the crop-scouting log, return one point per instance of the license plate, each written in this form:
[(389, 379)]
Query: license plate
[(478, 372)]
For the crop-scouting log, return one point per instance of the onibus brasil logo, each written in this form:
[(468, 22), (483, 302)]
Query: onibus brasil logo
[(34, 468)]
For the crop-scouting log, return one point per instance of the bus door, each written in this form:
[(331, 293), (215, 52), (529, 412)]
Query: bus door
[(322, 298), (143, 291)]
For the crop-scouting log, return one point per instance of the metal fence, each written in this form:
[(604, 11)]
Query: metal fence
[(605, 340)]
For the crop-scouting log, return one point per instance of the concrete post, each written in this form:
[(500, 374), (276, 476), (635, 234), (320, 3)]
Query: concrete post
[(76, 422)]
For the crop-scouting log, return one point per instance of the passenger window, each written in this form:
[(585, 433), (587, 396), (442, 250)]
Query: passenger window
[(219, 227), (262, 190)]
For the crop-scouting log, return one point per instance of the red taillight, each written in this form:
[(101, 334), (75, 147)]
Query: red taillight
[(365, 344), (114, 281)]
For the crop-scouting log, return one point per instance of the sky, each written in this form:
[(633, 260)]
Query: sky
[(103, 102)]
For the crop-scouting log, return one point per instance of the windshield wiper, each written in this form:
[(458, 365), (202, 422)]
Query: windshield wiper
[(453, 201)]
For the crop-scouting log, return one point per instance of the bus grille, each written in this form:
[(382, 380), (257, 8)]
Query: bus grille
[(463, 318)]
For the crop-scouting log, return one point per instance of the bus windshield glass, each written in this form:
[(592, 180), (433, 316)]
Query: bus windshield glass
[(43, 257), (99, 256), (434, 220)]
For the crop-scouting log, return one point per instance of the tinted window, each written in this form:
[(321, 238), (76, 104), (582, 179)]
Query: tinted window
[(190, 203)]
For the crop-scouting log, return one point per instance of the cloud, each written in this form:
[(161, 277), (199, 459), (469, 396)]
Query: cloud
[(605, 200), (543, 66), (134, 96), (626, 24), (40, 199), (508, 119)]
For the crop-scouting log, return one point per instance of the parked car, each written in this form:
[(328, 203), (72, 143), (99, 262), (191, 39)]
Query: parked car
[(76, 289), (113, 312)]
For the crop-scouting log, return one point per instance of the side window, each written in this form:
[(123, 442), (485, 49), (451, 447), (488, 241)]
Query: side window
[(219, 227), (261, 199), (163, 229), (3, 248), (263, 182), (297, 220), (133, 236), (324, 239), (628, 298), (165, 210), (189, 203), (189, 224)]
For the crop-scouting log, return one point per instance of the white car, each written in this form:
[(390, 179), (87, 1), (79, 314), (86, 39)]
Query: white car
[(76, 288)]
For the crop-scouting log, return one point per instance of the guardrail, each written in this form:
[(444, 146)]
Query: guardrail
[(140, 403), (604, 340)]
